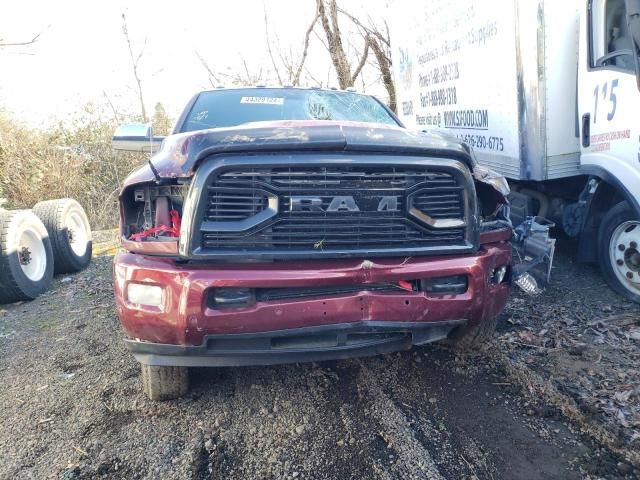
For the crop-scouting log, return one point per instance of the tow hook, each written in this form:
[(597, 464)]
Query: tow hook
[(534, 249)]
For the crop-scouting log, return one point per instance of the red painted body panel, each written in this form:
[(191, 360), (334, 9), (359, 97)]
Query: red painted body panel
[(184, 318), (181, 152), (151, 248), (169, 161)]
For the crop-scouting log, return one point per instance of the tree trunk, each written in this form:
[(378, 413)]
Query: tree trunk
[(385, 71)]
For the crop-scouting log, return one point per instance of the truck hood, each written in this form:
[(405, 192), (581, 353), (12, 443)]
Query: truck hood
[(181, 153)]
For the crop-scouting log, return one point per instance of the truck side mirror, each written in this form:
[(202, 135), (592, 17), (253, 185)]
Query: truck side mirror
[(135, 137)]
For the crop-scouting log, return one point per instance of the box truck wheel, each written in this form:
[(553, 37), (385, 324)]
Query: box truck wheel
[(26, 257), (619, 251), (69, 231)]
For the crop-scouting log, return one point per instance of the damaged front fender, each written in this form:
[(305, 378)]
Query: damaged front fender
[(532, 245), (494, 179)]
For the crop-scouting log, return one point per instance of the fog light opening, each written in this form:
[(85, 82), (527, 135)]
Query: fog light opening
[(147, 295), (231, 297), (454, 285)]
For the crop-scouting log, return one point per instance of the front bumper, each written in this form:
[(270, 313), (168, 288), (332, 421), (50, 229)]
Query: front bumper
[(307, 344), (186, 331)]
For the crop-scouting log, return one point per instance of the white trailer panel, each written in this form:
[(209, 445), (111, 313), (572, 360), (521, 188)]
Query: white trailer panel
[(482, 71), (561, 29)]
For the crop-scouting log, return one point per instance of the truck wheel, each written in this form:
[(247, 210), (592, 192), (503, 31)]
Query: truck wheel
[(475, 336), (26, 257), (619, 251), (164, 383), (69, 232)]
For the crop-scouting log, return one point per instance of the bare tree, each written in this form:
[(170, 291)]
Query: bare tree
[(249, 77), (273, 60), (381, 45), (241, 77), (331, 27), (384, 64), (293, 67), (116, 116), (135, 60), (4, 43), (213, 77), (305, 51), (318, 83)]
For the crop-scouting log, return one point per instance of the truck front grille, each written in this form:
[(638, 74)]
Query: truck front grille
[(338, 208)]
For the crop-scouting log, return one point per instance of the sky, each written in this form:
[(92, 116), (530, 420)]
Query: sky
[(81, 55)]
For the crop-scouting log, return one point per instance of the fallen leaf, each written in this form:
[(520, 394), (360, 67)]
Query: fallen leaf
[(623, 396), (634, 334)]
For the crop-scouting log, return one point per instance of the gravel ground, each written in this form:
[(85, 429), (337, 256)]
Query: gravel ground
[(584, 341), (526, 407)]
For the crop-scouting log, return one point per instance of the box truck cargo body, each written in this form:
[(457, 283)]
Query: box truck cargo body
[(546, 92)]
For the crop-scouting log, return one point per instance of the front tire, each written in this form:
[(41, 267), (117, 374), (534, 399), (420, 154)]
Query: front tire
[(165, 383), (474, 337), (619, 251), (26, 256)]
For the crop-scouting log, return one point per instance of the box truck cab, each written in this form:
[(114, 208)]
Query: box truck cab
[(548, 94)]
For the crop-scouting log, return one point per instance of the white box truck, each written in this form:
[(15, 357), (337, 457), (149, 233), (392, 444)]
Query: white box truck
[(547, 93)]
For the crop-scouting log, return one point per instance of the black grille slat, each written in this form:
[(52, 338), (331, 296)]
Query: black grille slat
[(236, 195), (440, 205), (249, 202), (431, 199), (227, 205), (235, 210)]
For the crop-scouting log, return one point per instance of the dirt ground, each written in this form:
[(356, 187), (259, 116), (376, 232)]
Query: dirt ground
[(555, 396)]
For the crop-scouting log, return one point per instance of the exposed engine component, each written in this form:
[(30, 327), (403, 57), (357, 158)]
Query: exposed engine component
[(153, 212), (535, 250), (521, 207)]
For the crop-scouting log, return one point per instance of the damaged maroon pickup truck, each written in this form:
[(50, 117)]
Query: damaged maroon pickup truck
[(281, 225)]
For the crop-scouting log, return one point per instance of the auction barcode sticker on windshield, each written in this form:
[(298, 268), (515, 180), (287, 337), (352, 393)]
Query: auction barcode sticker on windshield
[(263, 100)]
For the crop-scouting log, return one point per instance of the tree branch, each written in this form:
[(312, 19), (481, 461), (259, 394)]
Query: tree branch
[(336, 50), (113, 109), (266, 33), (134, 64), (384, 66), (310, 75), (212, 75), (296, 78), (363, 60), (321, 40), (371, 31), (19, 44)]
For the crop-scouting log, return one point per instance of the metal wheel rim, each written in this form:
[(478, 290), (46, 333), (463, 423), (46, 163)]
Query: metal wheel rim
[(624, 254), (32, 255), (77, 232)]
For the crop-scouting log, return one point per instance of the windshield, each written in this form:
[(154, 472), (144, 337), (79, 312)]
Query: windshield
[(226, 108)]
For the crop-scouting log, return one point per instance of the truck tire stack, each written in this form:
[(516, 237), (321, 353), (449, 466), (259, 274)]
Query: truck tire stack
[(54, 237)]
